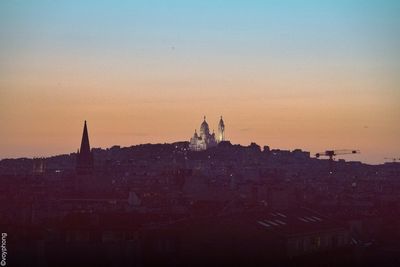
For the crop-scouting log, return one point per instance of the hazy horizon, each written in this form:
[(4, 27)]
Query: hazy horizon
[(314, 75)]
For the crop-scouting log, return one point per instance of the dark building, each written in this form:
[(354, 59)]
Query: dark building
[(260, 237), (84, 157), (39, 166)]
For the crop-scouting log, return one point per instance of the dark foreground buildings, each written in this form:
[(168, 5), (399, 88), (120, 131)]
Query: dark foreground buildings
[(229, 205)]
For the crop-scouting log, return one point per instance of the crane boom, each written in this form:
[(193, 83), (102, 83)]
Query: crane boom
[(393, 159), (332, 153)]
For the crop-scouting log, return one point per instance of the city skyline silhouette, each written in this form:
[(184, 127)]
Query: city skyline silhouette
[(200, 133)]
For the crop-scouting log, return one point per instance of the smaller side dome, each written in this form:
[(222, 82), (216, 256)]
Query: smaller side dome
[(204, 129)]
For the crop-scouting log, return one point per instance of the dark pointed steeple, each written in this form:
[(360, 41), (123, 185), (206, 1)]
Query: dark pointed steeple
[(85, 145), (84, 163)]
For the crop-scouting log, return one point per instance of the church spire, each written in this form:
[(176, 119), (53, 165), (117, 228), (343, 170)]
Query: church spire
[(84, 164), (85, 145)]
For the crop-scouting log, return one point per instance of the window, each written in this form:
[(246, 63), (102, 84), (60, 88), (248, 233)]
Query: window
[(316, 242)]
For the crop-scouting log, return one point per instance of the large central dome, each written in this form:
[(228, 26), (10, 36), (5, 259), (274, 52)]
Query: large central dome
[(204, 129)]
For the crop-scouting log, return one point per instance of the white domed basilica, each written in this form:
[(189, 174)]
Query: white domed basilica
[(204, 139)]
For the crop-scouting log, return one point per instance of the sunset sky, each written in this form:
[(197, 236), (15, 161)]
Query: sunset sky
[(314, 75)]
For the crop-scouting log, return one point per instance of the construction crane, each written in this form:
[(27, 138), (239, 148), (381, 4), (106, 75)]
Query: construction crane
[(333, 153), (393, 159)]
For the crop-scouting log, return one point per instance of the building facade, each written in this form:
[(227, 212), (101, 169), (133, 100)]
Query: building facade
[(204, 139)]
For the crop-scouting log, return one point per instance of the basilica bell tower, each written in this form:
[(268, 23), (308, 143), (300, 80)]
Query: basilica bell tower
[(221, 131)]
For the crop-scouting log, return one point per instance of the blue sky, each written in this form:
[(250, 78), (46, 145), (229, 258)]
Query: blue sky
[(263, 57)]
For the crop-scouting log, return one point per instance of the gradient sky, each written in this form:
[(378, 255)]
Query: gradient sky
[(314, 75)]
